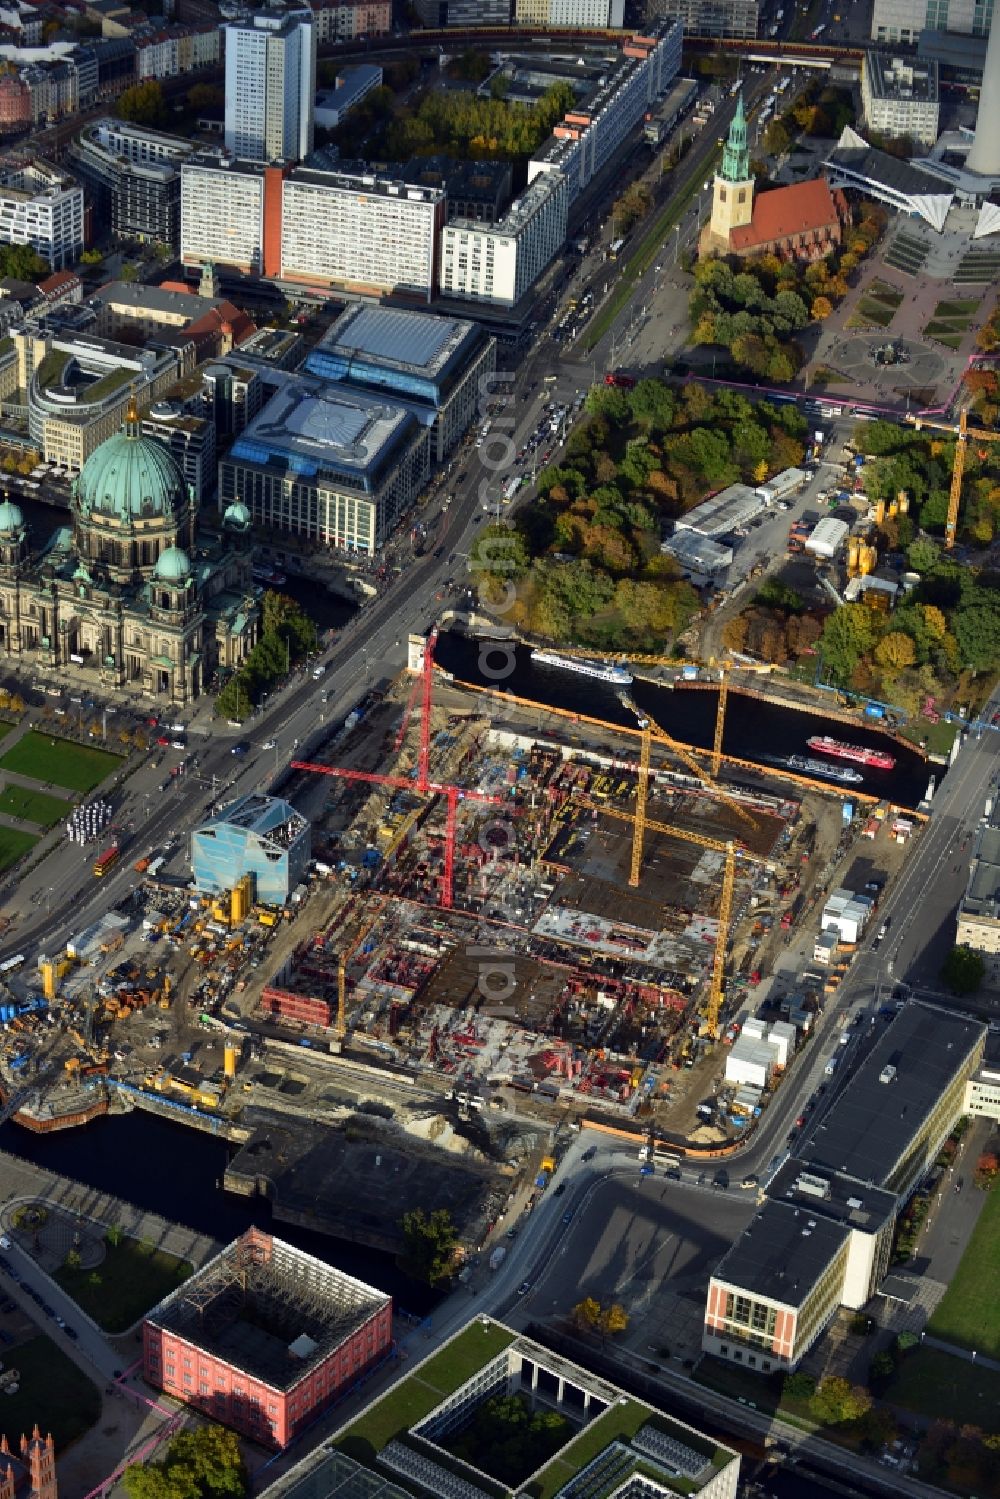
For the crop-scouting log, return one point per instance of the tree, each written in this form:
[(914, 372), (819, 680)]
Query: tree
[(614, 1318), (587, 1313), (202, 96), (143, 104), (848, 635), (798, 1386), (235, 701), (113, 1235), (429, 1244), (21, 262), (205, 1463), (836, 1401), (821, 309), (73, 1260), (777, 138), (963, 970), (923, 554), (977, 630), (895, 650)]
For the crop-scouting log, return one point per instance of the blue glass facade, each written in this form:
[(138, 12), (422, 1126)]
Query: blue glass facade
[(341, 365), (260, 836)]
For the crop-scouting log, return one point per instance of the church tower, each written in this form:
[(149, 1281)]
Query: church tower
[(732, 198)]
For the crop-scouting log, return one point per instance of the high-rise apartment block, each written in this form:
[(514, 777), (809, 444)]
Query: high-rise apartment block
[(589, 135), (900, 97), (355, 230), (735, 18), (360, 231), (499, 262), (270, 85)]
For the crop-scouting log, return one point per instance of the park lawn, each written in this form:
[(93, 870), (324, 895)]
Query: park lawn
[(961, 309), (78, 767), (132, 1278), (969, 1312), (871, 311), (14, 845), (52, 1390), (940, 736), (945, 1388), (34, 806)]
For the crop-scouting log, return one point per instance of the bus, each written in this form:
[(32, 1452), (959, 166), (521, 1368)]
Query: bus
[(105, 861), (511, 486), (9, 964), (615, 248)]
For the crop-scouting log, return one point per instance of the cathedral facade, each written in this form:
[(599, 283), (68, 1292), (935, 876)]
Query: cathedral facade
[(131, 593)]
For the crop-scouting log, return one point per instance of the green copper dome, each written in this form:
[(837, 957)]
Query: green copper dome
[(172, 566), (236, 516), (11, 518), (131, 477)]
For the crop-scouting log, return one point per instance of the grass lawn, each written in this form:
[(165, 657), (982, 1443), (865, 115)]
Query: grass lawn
[(51, 1391), (946, 1388), (34, 806), (650, 245), (939, 736), (944, 334), (75, 766), (961, 309), (969, 1314), (14, 844), (870, 311), (426, 1387), (133, 1277)]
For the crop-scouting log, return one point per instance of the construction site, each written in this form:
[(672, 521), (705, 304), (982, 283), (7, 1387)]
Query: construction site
[(500, 930)]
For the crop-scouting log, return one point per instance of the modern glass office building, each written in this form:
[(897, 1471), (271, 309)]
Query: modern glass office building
[(262, 836)]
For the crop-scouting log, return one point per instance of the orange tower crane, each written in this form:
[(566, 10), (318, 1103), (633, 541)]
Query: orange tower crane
[(961, 431)]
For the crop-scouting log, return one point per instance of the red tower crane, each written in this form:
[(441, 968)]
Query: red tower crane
[(453, 794)]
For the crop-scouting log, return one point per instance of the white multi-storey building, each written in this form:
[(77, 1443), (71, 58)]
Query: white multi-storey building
[(601, 13), (360, 232), (42, 207), (904, 20), (270, 86), (498, 262), (591, 133), (900, 97), (222, 213)]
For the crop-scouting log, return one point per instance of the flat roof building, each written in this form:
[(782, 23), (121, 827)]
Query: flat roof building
[(979, 911), (900, 97), (725, 511), (498, 263), (328, 463), (904, 20), (856, 164), (262, 836), (271, 84), (42, 206), (400, 1443), (705, 560), (350, 87), (437, 363), (823, 1238), (264, 1338)]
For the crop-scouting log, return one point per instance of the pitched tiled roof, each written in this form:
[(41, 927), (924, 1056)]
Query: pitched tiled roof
[(785, 211)]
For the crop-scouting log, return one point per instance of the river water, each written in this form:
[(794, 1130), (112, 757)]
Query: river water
[(755, 729)]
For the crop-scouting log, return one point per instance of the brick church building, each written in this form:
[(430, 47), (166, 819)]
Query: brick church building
[(31, 1473)]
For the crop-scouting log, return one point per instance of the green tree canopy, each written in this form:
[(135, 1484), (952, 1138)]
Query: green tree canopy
[(429, 1241), (143, 104), (205, 1463), (963, 970), (836, 1401)]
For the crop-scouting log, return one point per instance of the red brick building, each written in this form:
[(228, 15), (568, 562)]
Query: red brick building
[(31, 1474), (265, 1338), (801, 222)]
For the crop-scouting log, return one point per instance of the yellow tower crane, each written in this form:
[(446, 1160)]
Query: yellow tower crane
[(961, 431), (729, 849), (649, 733)]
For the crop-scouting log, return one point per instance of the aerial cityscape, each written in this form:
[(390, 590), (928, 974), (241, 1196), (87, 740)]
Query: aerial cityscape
[(499, 749)]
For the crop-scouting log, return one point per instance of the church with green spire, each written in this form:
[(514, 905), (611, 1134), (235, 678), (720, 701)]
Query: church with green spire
[(802, 222), (732, 196)]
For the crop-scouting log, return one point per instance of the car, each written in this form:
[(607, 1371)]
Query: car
[(162, 741), (560, 1189), (750, 1181), (589, 1154), (178, 744), (270, 744), (49, 1311), (800, 1121), (524, 1288), (884, 927), (4, 1241), (241, 747), (960, 1184), (568, 1216), (71, 1333), (60, 1322), (512, 1233)]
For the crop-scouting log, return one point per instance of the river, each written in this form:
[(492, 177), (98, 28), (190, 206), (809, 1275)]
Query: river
[(756, 730)]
